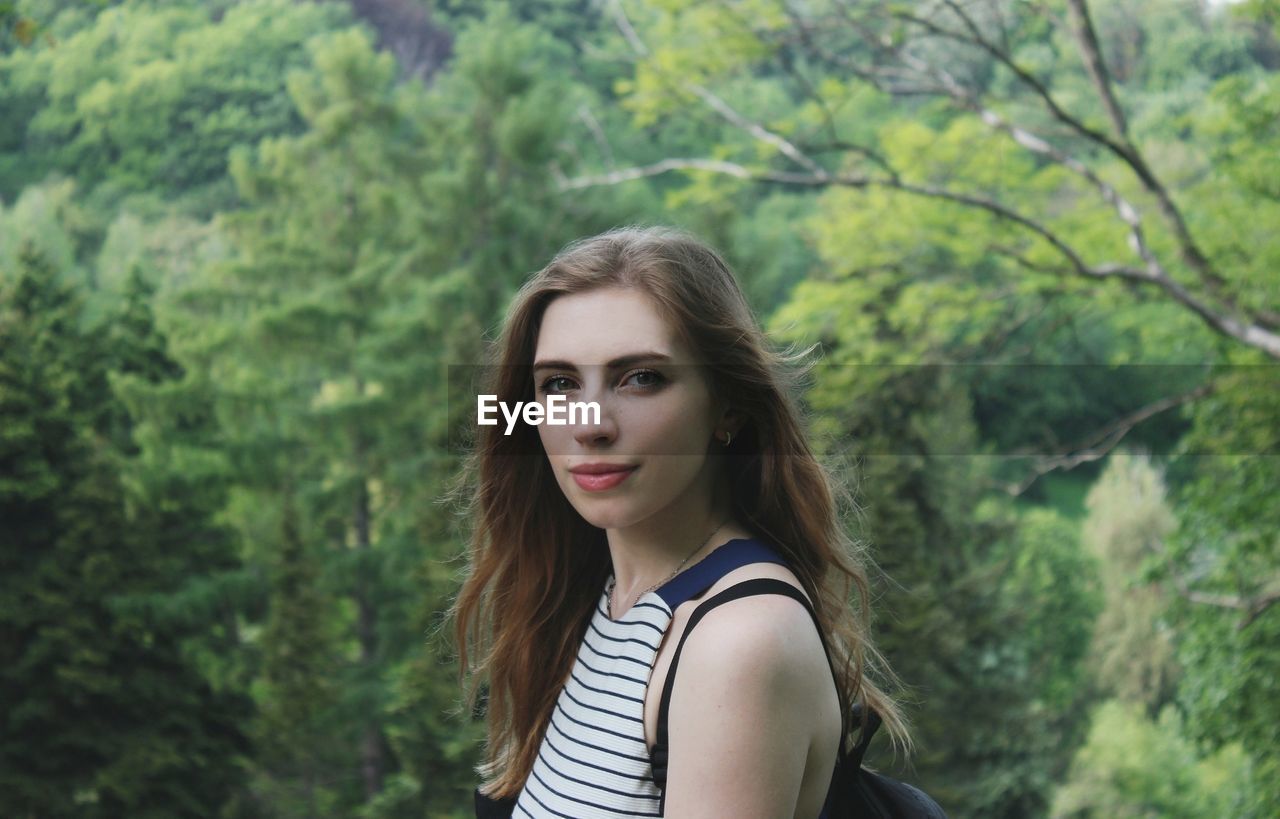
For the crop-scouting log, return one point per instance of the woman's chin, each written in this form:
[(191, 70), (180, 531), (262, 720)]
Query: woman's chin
[(599, 515)]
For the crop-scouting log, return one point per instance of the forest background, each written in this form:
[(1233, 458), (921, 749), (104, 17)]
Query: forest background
[(243, 243)]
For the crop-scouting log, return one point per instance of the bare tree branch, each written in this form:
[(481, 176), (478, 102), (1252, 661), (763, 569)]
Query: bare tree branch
[(1001, 55), (1102, 441), (1123, 147), (1252, 607), (1250, 334), (718, 105), (876, 77), (1127, 213), (597, 132), (872, 156), (624, 25), (1124, 210), (1254, 331), (1246, 330), (1189, 250), (1087, 37)]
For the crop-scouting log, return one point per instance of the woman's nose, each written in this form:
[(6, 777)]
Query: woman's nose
[(595, 429), (590, 434)]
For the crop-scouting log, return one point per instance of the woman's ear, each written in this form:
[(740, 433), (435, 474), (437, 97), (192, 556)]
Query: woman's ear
[(731, 421)]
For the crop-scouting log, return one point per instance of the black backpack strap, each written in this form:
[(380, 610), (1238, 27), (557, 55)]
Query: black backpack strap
[(864, 739), (747, 588), (857, 791), (489, 807)]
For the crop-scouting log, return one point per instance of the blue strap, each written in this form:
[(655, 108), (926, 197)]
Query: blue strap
[(699, 577)]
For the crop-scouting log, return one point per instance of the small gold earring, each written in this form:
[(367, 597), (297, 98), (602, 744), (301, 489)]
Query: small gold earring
[(728, 436)]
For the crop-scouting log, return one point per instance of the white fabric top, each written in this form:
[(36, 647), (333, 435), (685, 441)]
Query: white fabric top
[(593, 760)]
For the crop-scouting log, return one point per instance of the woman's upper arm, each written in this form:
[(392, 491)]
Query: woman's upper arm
[(741, 713)]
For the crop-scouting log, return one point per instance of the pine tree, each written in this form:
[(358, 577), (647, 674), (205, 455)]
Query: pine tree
[(105, 715)]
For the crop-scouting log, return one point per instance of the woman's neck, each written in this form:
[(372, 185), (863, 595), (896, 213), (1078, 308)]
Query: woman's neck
[(648, 552)]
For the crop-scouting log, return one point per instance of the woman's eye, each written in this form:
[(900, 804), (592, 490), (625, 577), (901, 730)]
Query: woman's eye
[(642, 379), (547, 386), (648, 379)]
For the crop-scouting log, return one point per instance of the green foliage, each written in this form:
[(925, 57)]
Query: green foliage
[(371, 252), (1266, 12), (980, 601), (227, 445), (1225, 548), (1195, 44), (177, 475), (51, 220), (1054, 582), (308, 340), (677, 32), (151, 98), (297, 687), (18, 28), (86, 672), (1129, 520), (1132, 766)]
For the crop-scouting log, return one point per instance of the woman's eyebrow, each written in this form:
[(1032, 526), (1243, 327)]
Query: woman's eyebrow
[(620, 361)]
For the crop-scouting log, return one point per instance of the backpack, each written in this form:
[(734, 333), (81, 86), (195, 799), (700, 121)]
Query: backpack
[(856, 793)]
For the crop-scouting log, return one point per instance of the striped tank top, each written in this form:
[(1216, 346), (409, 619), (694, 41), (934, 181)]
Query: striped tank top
[(593, 760)]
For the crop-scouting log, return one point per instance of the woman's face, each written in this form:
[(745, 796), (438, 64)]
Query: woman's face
[(656, 423)]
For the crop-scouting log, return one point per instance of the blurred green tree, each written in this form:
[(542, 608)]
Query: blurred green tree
[(143, 99), (1133, 765), (98, 612)]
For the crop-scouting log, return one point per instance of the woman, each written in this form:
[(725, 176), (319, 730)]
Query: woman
[(595, 541)]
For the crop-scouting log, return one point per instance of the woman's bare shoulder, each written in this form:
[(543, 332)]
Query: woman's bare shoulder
[(753, 700), (760, 627)]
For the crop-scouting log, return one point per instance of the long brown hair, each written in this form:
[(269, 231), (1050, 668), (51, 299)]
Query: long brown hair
[(536, 567)]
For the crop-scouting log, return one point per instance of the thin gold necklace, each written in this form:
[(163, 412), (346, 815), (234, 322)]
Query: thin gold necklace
[(613, 580)]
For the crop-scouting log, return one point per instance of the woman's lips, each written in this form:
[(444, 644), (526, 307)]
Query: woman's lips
[(601, 481)]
